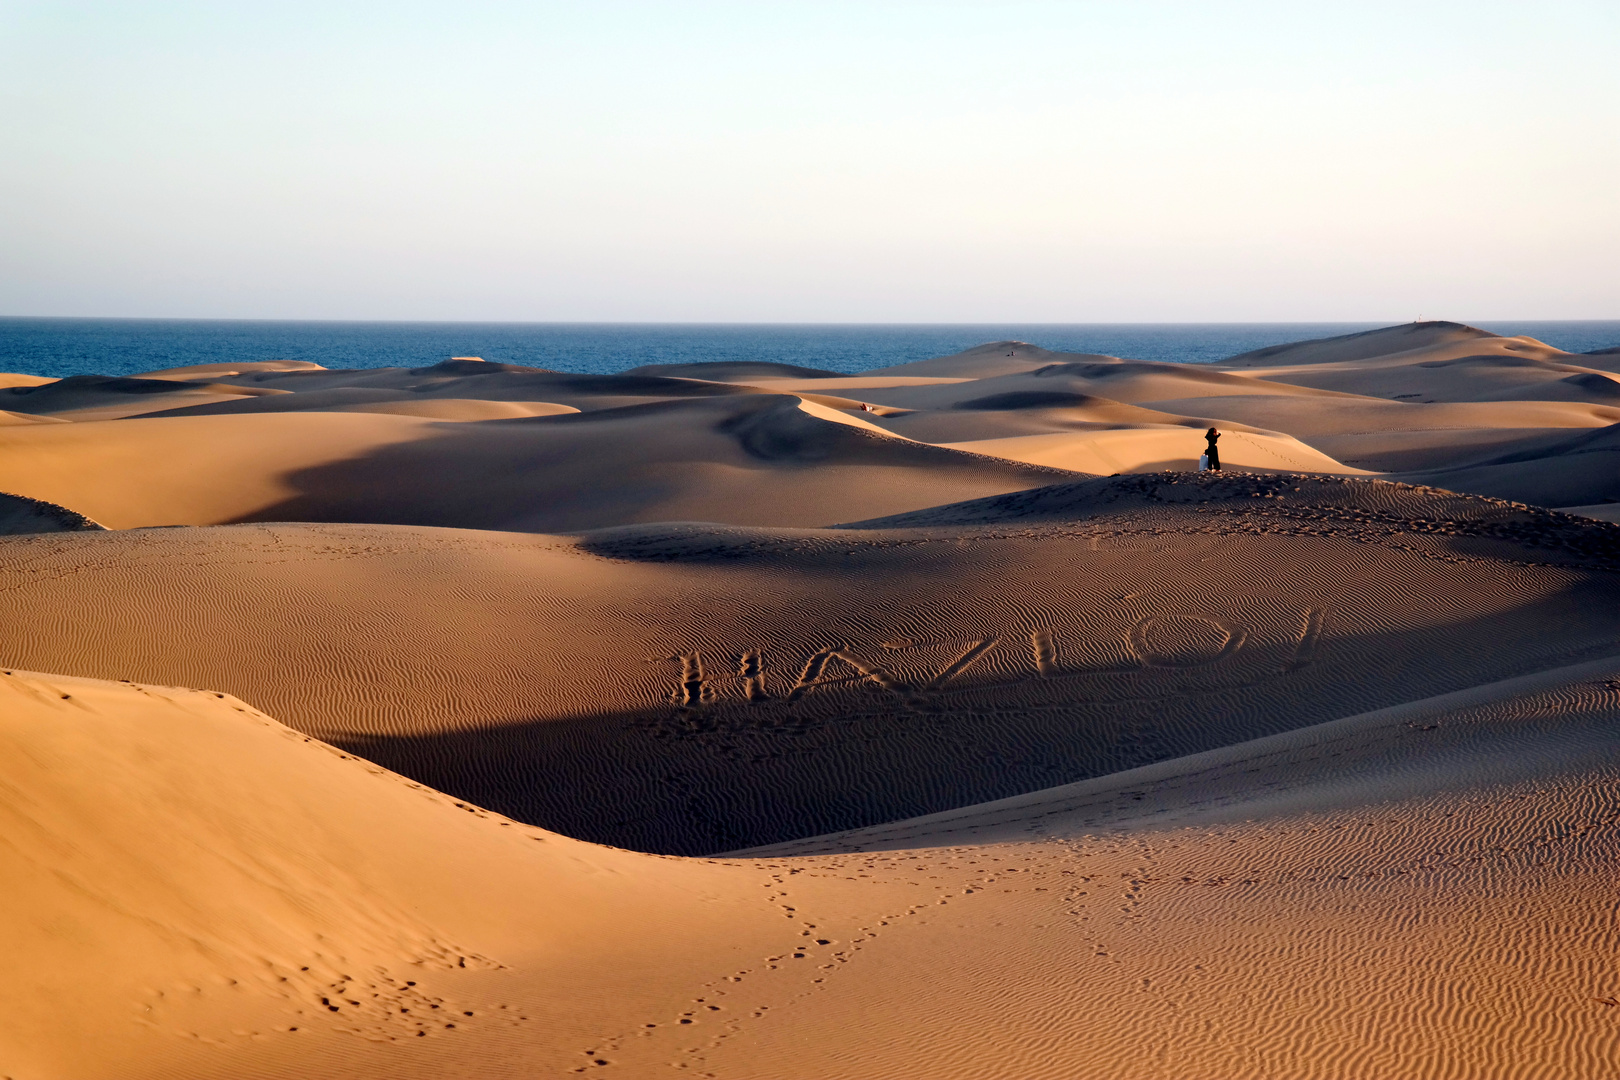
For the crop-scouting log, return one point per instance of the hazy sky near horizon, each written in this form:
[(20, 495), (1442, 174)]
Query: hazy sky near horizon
[(798, 161)]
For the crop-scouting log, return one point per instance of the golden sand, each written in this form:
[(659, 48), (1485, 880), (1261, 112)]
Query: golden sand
[(762, 723)]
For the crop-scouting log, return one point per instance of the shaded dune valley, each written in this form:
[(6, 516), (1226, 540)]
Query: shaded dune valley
[(744, 721)]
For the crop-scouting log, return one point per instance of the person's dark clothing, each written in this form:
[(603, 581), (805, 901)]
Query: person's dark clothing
[(1211, 436)]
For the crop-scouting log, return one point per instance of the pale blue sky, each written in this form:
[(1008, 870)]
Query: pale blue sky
[(874, 161)]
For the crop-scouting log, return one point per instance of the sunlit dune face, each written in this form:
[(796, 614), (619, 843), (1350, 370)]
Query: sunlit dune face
[(753, 720)]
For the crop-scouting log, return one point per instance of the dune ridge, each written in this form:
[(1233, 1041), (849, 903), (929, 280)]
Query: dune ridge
[(476, 444), (21, 516), (1159, 888), (750, 720), (673, 663)]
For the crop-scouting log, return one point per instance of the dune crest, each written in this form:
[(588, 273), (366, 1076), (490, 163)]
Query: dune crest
[(753, 720), (256, 901), (21, 515), (1440, 404), (1088, 628), (306, 911)]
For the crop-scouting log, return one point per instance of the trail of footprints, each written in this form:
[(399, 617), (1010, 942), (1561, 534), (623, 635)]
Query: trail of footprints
[(1099, 905), (724, 1007), (381, 1006), (375, 1004)]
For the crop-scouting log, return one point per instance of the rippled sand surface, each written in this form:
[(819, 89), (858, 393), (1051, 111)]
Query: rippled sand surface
[(746, 723)]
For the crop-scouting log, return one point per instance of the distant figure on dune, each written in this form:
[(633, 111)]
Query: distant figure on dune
[(1212, 455)]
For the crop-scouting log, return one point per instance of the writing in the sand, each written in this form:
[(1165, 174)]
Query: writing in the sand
[(910, 669)]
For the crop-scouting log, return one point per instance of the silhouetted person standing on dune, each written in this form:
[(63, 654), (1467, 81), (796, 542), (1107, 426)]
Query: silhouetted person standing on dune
[(1212, 437)]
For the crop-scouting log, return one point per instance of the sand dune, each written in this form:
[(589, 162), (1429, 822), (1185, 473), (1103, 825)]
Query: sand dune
[(750, 459), (1139, 449), (21, 516), (495, 382), (1427, 362), (1394, 436), (213, 372), (1572, 470), (1599, 511), (96, 397), (1582, 385), (196, 470), (1031, 412), (1371, 345), (374, 400), (8, 419), (847, 382), (10, 379), (733, 371), (255, 904), (1418, 891), (1437, 873), (750, 720), (1086, 629), (986, 361), (1440, 403), (1083, 433), (1134, 382)]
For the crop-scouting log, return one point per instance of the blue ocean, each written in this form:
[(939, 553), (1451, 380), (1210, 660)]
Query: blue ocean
[(61, 347)]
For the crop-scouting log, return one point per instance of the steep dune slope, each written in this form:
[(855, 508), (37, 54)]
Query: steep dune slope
[(192, 889), (1424, 891)]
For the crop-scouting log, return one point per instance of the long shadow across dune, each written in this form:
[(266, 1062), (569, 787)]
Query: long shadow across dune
[(715, 771), (695, 688), (743, 458)]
